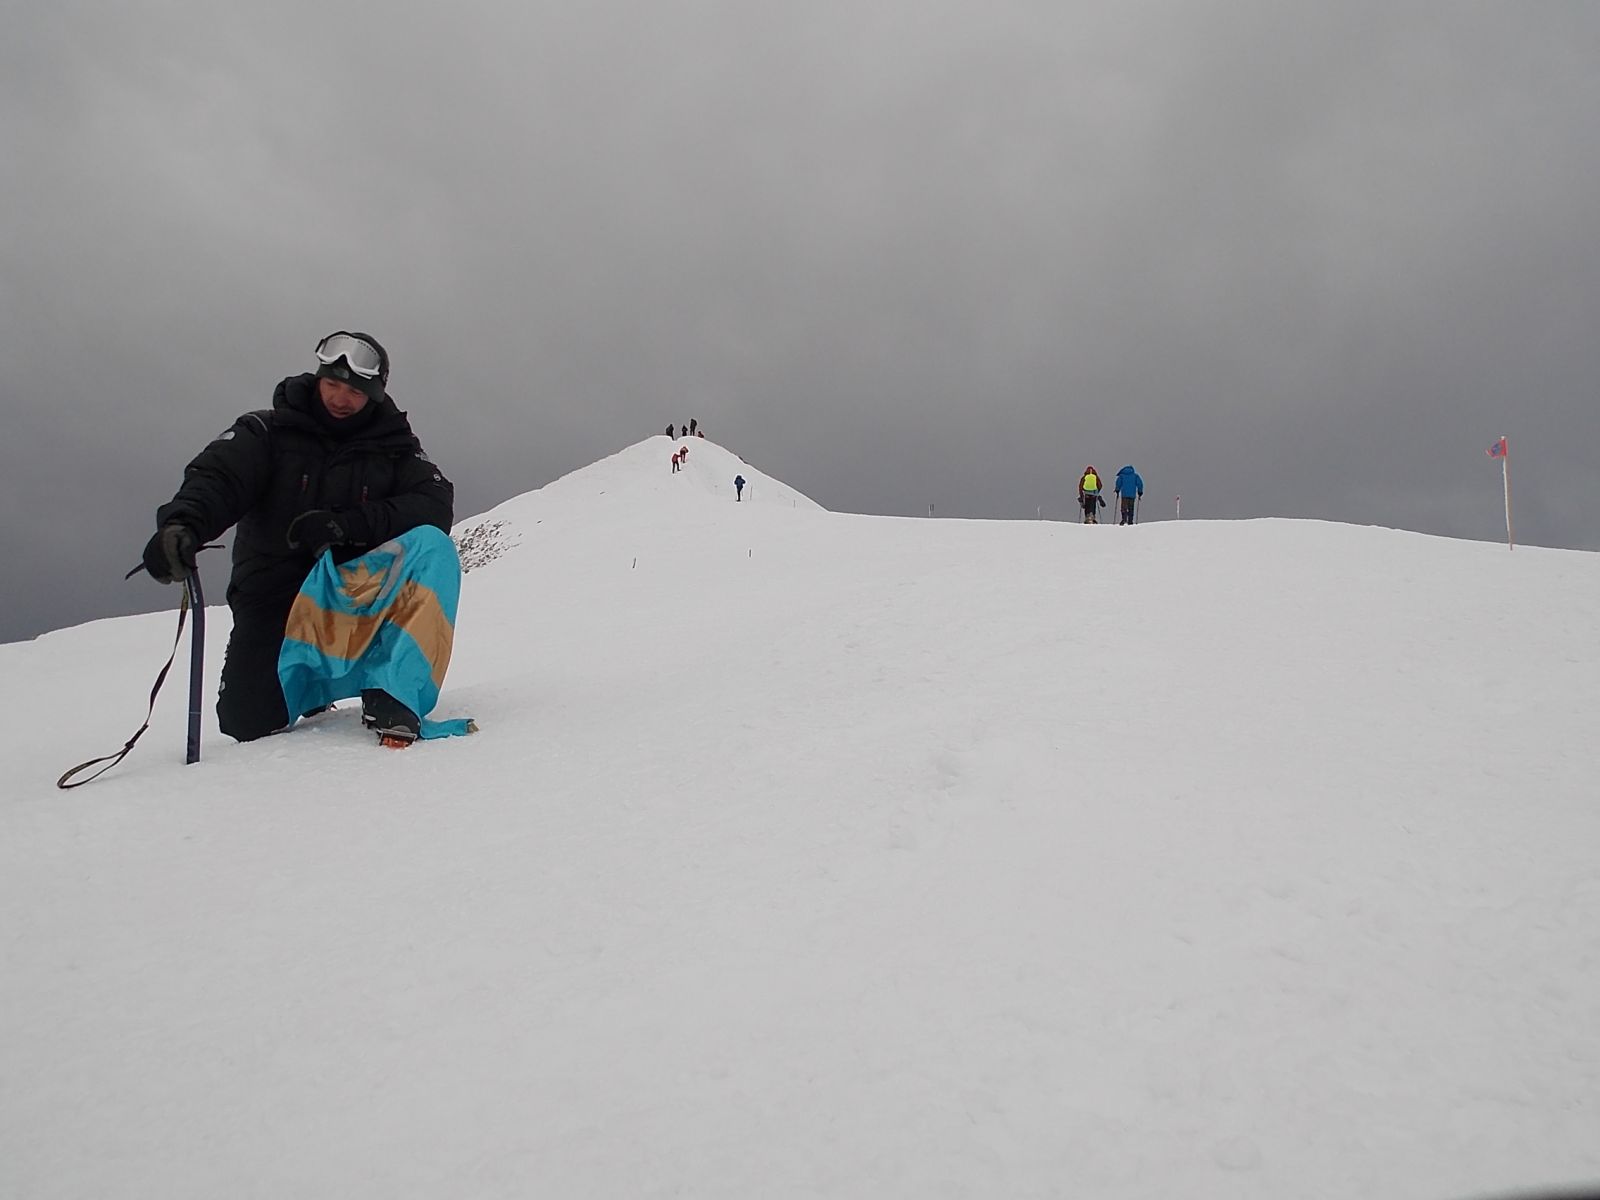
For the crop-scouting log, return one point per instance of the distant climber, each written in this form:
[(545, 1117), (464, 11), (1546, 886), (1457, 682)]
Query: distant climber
[(1129, 487), (1089, 495), (670, 428), (694, 423), (675, 462), (738, 487)]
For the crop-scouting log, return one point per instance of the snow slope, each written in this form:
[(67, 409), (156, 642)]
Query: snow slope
[(809, 854)]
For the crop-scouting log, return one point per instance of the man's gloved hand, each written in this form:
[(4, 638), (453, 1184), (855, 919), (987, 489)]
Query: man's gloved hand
[(169, 555), (321, 528)]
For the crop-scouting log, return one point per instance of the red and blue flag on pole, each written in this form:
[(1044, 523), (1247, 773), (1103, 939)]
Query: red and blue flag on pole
[(1498, 450)]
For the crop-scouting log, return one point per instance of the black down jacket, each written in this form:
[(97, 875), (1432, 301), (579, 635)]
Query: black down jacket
[(270, 466)]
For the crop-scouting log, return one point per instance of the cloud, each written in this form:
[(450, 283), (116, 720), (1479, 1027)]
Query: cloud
[(1288, 261)]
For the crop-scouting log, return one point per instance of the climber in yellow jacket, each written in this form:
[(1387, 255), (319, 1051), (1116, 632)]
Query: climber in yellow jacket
[(1089, 496)]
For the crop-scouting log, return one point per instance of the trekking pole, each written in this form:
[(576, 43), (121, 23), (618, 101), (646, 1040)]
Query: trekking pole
[(191, 598)]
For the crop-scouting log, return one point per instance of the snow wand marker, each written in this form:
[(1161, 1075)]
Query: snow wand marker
[(192, 598), (1502, 451)]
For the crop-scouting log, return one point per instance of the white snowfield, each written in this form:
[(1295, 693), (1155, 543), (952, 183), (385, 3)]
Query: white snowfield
[(804, 854)]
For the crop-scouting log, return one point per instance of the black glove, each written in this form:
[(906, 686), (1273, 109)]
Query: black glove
[(321, 528), (169, 555)]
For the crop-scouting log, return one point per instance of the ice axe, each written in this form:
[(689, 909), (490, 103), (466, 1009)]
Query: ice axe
[(192, 598)]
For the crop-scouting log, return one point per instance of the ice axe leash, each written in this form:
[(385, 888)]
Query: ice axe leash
[(192, 598)]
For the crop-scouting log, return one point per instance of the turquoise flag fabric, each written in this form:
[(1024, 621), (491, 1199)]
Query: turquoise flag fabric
[(384, 620)]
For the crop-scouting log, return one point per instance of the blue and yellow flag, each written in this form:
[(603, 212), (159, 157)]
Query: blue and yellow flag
[(384, 620)]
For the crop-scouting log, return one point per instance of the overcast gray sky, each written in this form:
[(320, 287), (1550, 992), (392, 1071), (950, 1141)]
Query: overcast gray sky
[(1302, 260)]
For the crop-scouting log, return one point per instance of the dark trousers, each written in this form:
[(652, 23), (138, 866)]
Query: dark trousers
[(250, 701), (1127, 511), (1091, 509)]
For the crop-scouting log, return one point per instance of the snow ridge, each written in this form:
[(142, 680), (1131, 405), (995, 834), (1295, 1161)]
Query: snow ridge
[(808, 853)]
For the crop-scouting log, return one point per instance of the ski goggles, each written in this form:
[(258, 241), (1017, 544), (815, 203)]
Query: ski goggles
[(361, 354)]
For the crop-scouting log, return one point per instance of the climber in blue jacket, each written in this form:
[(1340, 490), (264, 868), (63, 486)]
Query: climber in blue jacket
[(1129, 487)]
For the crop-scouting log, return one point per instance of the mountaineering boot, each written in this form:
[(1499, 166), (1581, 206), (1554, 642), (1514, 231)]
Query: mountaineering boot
[(394, 723)]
